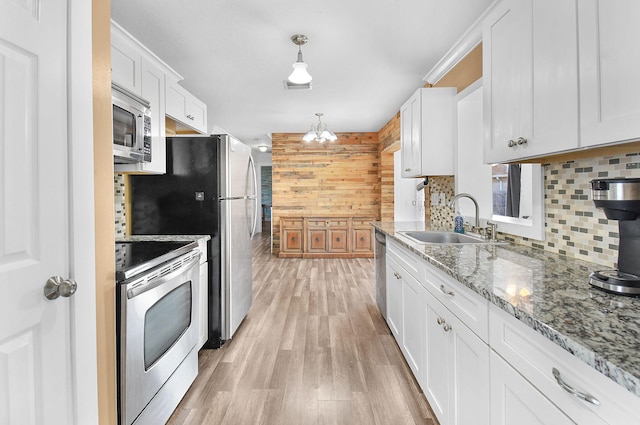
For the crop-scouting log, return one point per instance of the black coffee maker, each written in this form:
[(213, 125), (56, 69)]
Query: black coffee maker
[(620, 200)]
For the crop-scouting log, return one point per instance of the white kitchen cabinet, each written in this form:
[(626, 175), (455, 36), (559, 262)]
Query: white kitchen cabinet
[(140, 71), (427, 132), (204, 301), (185, 108), (455, 368), (535, 358), (413, 313), (394, 297), (448, 359), (609, 37), (530, 76), (514, 401), (126, 60)]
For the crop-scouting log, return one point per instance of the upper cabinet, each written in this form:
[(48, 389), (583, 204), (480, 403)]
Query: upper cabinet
[(609, 61), (558, 76), (140, 71), (530, 75), (427, 132), (185, 107)]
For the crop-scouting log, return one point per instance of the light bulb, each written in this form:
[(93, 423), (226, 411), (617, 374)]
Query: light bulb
[(300, 74)]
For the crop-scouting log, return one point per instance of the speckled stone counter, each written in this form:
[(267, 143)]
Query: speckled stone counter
[(547, 292)]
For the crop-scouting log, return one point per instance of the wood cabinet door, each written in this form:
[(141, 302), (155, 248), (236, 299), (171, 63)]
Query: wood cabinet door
[(362, 240), (338, 240), (316, 240), (292, 240)]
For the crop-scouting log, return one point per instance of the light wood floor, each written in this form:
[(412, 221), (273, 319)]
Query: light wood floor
[(312, 350)]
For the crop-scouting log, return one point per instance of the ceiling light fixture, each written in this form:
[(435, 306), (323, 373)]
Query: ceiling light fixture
[(263, 148), (299, 74), (319, 132)]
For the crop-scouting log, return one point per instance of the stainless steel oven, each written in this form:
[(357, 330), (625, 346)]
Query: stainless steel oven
[(157, 331)]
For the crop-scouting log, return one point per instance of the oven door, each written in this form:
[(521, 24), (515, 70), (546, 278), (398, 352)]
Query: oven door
[(158, 326)]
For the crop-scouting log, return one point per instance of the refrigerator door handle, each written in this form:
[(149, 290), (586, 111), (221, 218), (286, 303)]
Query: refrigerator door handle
[(254, 196)]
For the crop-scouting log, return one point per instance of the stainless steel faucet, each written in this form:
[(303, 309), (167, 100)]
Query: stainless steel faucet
[(475, 203)]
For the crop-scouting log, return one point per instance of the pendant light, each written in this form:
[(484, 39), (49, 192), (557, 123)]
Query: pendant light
[(319, 132), (299, 74)]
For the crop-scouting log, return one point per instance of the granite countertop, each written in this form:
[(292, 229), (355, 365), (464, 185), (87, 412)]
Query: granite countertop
[(549, 293), (140, 238)]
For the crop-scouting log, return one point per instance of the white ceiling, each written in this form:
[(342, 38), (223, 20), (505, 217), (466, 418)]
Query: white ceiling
[(366, 57)]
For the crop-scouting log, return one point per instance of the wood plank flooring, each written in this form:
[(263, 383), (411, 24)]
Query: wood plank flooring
[(313, 350)]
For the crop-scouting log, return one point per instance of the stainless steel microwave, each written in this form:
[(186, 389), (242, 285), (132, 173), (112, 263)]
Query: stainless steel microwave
[(131, 127)]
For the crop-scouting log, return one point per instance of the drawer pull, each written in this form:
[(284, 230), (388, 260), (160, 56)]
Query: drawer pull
[(445, 291), (582, 396), (446, 327), (397, 275), (440, 320)]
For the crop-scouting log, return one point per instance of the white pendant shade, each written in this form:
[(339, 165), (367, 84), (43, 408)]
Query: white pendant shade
[(300, 74), (319, 132)]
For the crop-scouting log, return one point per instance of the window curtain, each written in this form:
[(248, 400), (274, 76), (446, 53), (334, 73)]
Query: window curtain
[(513, 190)]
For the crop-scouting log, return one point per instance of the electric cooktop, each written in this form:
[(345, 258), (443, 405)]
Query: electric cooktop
[(135, 257)]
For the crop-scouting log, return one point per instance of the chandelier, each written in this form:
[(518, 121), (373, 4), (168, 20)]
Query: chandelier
[(319, 132)]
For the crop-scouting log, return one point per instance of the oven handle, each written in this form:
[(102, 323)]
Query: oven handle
[(147, 285)]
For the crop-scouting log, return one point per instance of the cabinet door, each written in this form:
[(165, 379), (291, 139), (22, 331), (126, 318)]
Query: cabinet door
[(394, 297), (514, 401), (437, 357), (530, 71), (126, 62), (204, 303), (413, 313), (292, 240), (153, 90), (410, 121), (338, 240), (469, 397), (609, 61), (362, 240), (185, 108), (196, 112), (316, 240)]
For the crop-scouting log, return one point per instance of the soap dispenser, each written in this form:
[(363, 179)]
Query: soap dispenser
[(458, 223)]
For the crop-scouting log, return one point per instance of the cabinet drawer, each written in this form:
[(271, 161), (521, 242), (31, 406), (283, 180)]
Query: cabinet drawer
[(316, 222), (468, 306), (291, 223), (407, 259), (363, 222), (338, 223), (534, 356)]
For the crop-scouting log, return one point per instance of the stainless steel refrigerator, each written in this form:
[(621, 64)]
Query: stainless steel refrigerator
[(209, 189)]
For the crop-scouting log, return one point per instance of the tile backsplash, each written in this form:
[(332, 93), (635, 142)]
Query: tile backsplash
[(119, 205), (574, 226)]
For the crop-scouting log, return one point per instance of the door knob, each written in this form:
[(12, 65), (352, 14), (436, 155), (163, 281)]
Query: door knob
[(59, 287)]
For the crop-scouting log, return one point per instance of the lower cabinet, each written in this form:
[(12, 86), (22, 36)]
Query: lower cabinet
[(455, 379), (203, 317), (394, 297), (478, 365), (514, 401), (333, 237)]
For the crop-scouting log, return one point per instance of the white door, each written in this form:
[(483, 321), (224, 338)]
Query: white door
[(37, 377)]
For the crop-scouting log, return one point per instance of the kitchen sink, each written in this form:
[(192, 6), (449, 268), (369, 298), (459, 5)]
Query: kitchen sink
[(432, 237)]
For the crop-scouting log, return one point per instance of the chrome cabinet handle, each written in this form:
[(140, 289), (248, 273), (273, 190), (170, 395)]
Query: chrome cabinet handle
[(59, 287), (582, 396), (407, 169), (190, 117), (511, 143), (446, 327), (440, 320), (445, 291), (397, 275), (521, 141)]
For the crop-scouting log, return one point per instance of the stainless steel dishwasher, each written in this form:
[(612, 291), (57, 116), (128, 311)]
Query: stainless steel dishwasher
[(380, 253)]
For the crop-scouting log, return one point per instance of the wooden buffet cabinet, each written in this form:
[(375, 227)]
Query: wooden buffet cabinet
[(328, 237)]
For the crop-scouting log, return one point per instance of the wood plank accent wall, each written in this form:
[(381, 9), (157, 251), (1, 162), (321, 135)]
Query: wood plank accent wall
[(331, 179)]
